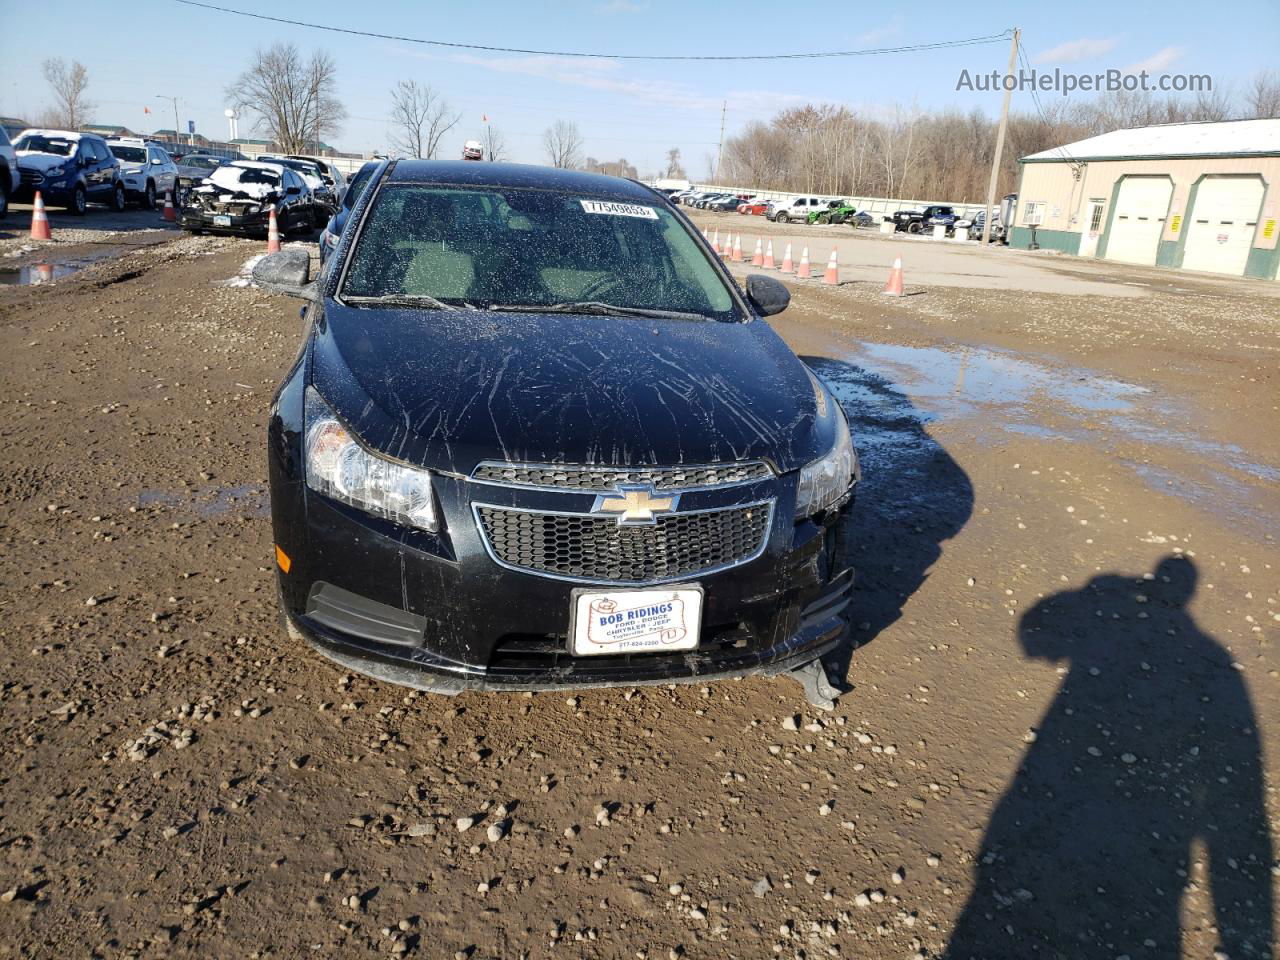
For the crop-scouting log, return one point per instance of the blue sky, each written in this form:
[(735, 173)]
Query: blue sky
[(138, 50)]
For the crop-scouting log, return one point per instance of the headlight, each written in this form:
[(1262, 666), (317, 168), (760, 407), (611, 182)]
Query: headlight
[(827, 479), (339, 467), (55, 172), (252, 208)]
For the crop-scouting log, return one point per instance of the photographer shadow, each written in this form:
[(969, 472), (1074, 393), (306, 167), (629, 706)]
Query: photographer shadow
[(913, 498), (1143, 787)]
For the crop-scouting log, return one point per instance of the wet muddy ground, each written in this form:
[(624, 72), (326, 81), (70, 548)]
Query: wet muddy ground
[(1057, 741)]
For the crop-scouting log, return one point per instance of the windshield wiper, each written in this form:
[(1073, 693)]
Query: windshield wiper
[(403, 300), (597, 308)]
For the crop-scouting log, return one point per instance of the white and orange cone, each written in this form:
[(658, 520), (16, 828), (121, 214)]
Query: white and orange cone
[(737, 248), (273, 233), (40, 221), (768, 257), (787, 265), (832, 276), (170, 213), (757, 258), (894, 287), (803, 271), (715, 240)]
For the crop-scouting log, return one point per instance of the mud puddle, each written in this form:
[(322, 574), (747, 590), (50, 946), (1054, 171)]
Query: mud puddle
[(1000, 393), (49, 269), (245, 500)]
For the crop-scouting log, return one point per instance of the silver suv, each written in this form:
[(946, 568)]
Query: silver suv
[(9, 177)]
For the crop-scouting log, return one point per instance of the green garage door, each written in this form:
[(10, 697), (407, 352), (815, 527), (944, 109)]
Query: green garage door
[(1141, 207), (1221, 224)]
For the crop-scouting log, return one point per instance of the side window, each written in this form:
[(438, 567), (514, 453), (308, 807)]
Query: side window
[(88, 153)]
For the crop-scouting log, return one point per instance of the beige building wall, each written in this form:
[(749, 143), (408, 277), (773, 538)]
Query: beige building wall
[(1065, 194)]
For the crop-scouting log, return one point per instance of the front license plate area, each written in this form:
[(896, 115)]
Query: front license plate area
[(220, 220), (616, 622)]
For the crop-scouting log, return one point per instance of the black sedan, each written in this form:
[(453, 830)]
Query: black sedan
[(537, 437), (238, 198)]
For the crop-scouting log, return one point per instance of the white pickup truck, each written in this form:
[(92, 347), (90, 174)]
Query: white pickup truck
[(794, 208)]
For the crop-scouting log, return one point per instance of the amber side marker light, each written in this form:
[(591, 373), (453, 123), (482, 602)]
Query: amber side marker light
[(282, 559)]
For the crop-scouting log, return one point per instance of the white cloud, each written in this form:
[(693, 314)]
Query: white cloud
[(622, 6), (606, 75), (877, 35), (1073, 51), (1158, 62)]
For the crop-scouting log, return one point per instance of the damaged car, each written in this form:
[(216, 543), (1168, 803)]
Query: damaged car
[(537, 437), (238, 198)]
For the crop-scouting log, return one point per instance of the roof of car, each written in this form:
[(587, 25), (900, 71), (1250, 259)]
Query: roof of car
[(471, 173), (60, 134), (256, 165)]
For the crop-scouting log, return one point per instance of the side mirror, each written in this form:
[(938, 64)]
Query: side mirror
[(287, 272), (766, 294), (293, 191)]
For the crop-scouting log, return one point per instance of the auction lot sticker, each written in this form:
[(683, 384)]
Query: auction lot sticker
[(610, 208), (635, 621)]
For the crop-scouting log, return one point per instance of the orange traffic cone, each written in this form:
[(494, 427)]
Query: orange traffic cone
[(894, 287), (787, 265), (170, 212), (832, 276), (768, 256), (737, 249), (273, 233), (715, 241), (802, 271), (757, 258), (40, 221)]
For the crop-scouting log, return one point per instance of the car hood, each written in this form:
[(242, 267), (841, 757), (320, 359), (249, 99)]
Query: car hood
[(42, 161), (447, 390)]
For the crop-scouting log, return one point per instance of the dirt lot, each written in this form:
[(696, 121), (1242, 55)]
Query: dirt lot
[(1058, 739)]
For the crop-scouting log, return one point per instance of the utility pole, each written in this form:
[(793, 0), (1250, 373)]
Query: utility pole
[(177, 134), (720, 147), (1004, 123)]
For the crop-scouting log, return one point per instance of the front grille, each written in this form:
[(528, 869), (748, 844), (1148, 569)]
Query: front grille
[(598, 550), (606, 479), (30, 178)]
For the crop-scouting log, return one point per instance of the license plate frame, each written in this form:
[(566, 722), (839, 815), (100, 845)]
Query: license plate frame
[(677, 630), (221, 220)]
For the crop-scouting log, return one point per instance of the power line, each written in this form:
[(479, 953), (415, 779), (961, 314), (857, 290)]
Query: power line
[(909, 48)]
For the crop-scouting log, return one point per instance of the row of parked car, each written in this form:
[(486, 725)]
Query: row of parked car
[(779, 210), (815, 210), (213, 193)]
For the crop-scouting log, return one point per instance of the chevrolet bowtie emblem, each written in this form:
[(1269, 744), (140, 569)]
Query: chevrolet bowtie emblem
[(635, 505)]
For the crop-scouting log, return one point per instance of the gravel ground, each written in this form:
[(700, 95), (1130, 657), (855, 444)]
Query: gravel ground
[(1058, 739)]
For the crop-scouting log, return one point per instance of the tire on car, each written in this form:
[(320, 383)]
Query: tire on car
[(781, 217), (79, 202), (118, 198), (149, 196)]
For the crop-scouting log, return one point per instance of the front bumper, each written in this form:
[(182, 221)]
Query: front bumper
[(251, 225), (55, 192), (438, 613)]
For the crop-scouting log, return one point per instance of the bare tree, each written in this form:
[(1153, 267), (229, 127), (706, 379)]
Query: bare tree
[(611, 168), (495, 144), (1263, 96), (563, 144), (421, 118), (71, 106), (675, 169), (294, 100)]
